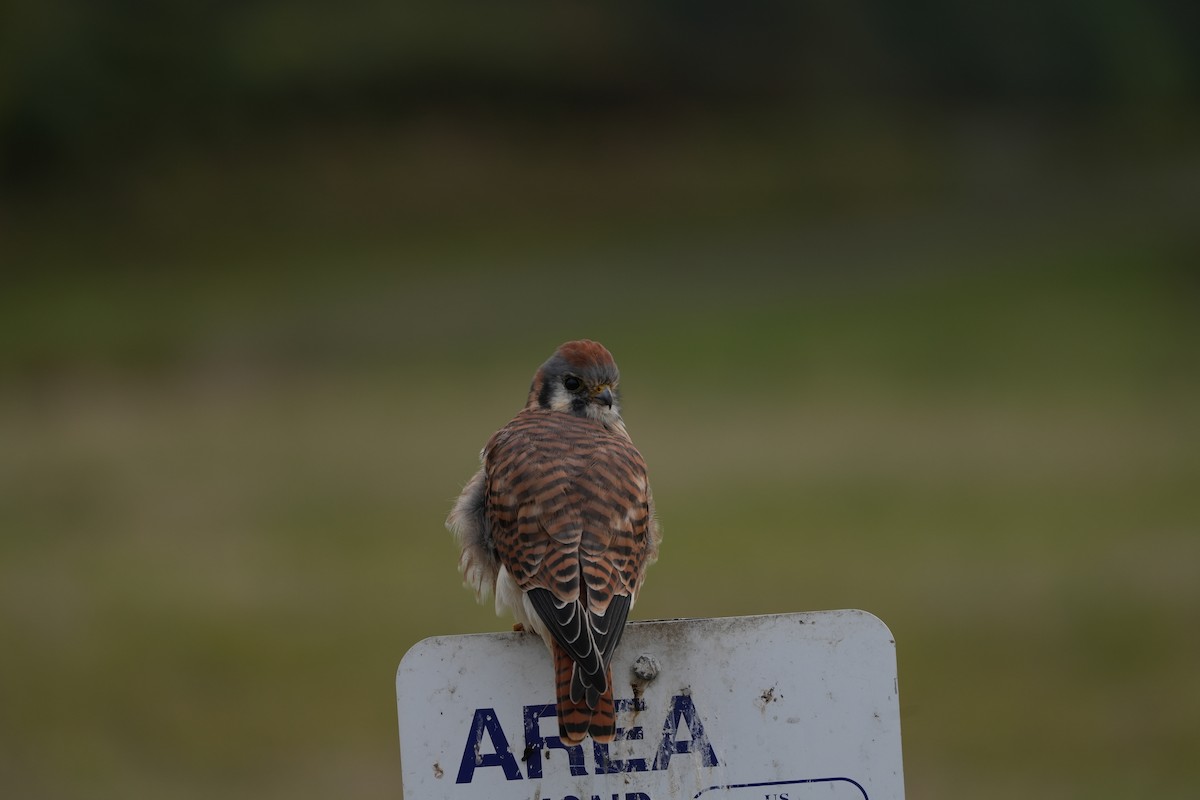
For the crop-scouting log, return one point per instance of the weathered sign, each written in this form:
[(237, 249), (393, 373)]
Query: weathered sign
[(779, 707)]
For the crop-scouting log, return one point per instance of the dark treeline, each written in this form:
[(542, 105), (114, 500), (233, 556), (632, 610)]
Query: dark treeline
[(84, 84)]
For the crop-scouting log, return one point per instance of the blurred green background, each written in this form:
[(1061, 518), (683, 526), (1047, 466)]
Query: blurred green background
[(904, 297)]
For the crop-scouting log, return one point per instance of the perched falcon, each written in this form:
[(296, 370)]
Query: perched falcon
[(559, 524)]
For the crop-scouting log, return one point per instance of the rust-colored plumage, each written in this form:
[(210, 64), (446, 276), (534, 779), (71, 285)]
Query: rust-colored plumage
[(559, 523)]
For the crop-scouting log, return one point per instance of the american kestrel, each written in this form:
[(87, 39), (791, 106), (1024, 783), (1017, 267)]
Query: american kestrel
[(559, 523)]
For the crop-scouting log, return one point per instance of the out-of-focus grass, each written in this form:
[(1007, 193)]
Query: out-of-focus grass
[(223, 490)]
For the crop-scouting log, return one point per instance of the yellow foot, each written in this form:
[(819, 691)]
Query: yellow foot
[(518, 626)]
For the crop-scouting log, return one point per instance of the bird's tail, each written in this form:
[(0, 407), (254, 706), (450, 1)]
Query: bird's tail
[(578, 718)]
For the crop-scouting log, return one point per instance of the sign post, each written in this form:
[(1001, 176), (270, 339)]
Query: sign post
[(778, 707)]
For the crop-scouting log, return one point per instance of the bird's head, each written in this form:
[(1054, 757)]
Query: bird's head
[(580, 378)]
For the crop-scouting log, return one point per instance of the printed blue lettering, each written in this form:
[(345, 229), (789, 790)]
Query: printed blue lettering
[(682, 733), (605, 763), (683, 710), (535, 742), (473, 755)]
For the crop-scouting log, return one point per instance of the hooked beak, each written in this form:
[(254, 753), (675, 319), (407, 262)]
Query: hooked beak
[(604, 395)]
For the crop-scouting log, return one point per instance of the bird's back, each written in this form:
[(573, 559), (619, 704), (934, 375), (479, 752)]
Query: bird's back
[(571, 519), (567, 497)]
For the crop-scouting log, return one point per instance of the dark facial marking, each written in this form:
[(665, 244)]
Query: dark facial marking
[(546, 390)]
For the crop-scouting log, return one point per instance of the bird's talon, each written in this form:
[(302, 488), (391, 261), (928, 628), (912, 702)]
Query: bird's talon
[(518, 627)]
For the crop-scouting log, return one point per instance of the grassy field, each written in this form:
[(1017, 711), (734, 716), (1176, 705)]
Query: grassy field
[(225, 461)]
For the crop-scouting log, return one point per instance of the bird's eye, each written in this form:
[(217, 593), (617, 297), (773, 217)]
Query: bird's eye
[(572, 383)]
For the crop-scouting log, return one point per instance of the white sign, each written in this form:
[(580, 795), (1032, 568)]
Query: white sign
[(780, 707)]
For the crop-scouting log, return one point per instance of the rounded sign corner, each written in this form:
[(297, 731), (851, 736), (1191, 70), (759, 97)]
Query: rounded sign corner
[(874, 620), (415, 651)]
